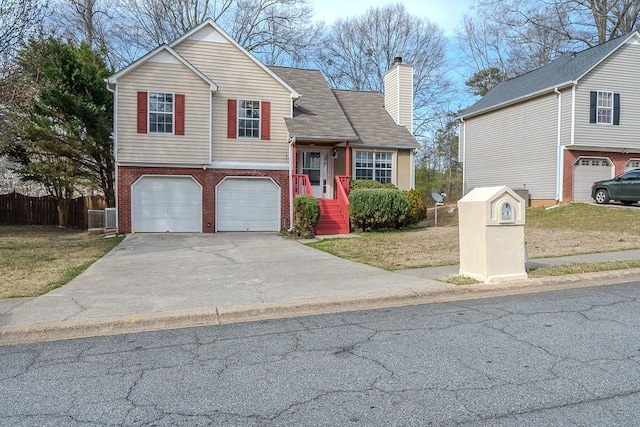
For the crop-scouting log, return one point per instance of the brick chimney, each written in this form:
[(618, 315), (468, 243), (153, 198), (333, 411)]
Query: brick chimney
[(398, 93)]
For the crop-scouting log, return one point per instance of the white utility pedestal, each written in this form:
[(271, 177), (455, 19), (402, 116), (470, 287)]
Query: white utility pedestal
[(492, 235)]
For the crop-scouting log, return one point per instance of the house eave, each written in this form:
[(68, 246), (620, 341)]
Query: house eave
[(518, 100)]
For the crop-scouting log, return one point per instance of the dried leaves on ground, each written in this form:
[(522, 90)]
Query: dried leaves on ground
[(34, 260), (571, 229)]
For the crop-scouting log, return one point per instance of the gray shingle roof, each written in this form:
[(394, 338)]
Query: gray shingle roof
[(372, 123), (316, 114), (563, 70)]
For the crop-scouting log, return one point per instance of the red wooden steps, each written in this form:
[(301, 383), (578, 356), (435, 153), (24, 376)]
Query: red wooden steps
[(331, 220)]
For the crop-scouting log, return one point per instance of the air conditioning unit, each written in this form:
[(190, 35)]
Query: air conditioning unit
[(110, 216)]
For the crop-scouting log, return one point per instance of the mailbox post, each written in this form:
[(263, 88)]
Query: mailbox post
[(492, 235)]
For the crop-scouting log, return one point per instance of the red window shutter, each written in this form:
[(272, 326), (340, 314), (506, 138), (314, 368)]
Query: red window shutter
[(265, 120), (179, 114), (232, 119), (142, 112)]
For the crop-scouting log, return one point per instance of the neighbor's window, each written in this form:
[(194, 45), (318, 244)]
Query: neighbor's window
[(248, 119), (605, 108), (374, 165), (160, 112)]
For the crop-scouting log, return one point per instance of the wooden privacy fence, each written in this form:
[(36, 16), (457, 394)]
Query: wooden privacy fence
[(18, 209)]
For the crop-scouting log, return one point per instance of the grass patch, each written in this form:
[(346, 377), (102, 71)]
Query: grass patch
[(35, 260), (577, 268), (461, 280), (572, 229)]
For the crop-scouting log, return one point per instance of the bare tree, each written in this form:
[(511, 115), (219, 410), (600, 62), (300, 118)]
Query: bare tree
[(18, 20), (358, 51), (516, 36)]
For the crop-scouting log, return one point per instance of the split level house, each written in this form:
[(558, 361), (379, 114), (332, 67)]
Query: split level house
[(208, 138), (559, 128)]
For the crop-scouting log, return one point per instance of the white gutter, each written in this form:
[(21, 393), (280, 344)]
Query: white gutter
[(462, 142), (573, 114), (291, 142), (115, 144), (559, 149)]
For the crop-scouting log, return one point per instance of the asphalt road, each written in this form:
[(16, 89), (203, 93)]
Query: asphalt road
[(558, 358)]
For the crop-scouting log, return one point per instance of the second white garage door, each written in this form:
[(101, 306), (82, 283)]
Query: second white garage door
[(586, 171), (247, 204)]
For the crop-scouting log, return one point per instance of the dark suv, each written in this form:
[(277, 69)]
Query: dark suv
[(624, 187)]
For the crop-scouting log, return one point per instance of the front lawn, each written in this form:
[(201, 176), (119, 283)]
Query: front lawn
[(35, 260), (572, 229)]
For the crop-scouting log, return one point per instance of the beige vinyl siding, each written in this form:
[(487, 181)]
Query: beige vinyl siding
[(403, 168), (398, 96), (514, 146), (238, 77), (618, 74), (161, 148), (406, 96), (565, 128)]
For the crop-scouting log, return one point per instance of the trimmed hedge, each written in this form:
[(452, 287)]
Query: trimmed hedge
[(307, 211), (369, 183), (375, 208), (417, 208)]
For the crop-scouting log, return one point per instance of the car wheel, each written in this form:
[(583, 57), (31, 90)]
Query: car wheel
[(602, 196)]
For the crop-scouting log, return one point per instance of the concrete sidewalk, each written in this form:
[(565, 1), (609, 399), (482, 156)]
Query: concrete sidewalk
[(152, 282)]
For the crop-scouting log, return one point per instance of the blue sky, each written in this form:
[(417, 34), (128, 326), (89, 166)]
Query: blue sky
[(446, 13)]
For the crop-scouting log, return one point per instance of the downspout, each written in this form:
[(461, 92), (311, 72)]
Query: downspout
[(115, 145), (462, 143), (559, 160), (291, 142)]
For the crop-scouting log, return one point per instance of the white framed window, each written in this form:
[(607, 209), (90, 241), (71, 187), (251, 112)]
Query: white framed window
[(604, 113), (375, 165), (248, 119), (160, 112)]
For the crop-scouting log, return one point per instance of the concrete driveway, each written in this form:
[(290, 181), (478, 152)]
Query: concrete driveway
[(161, 273)]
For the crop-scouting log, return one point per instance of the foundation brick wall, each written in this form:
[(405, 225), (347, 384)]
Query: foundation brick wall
[(619, 160), (208, 179)]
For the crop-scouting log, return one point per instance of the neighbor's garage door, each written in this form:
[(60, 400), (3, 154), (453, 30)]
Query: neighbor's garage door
[(166, 203), (248, 204), (586, 171)]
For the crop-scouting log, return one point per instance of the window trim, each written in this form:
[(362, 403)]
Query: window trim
[(598, 107), (627, 166), (173, 112), (393, 153), (238, 118)]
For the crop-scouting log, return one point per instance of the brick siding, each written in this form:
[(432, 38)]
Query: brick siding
[(619, 160), (209, 178)]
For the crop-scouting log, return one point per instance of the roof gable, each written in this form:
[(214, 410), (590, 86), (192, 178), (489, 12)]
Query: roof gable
[(563, 71), (316, 114), (210, 31), (371, 121), (161, 54)]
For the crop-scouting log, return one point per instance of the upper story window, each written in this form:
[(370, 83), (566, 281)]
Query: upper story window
[(160, 112), (377, 166), (248, 119), (605, 108)]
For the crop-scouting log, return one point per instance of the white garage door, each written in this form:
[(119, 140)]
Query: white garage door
[(586, 171), (166, 203), (247, 204)]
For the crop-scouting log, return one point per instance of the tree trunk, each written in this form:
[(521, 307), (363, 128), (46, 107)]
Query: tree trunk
[(63, 212)]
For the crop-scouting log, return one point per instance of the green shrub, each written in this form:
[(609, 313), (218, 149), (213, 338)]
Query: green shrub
[(417, 208), (369, 183), (307, 214), (375, 208)]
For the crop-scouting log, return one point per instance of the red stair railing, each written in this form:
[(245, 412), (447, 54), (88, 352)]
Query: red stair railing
[(342, 189)]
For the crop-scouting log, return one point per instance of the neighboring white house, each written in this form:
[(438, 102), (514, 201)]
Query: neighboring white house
[(559, 128)]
